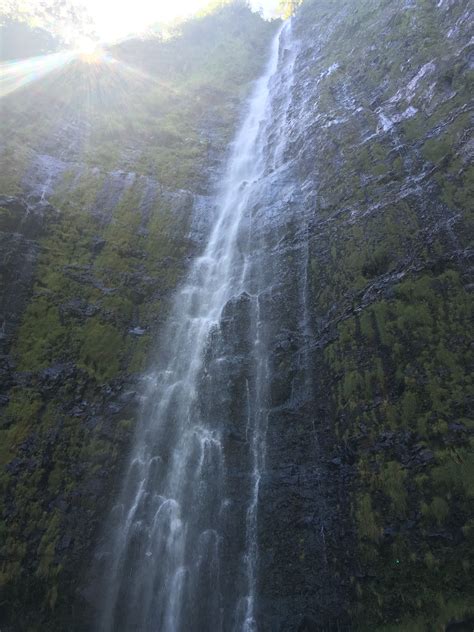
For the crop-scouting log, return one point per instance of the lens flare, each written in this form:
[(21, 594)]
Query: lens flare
[(89, 52), (16, 74)]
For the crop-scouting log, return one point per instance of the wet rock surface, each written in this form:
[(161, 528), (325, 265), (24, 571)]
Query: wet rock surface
[(365, 506), (378, 133), (96, 232)]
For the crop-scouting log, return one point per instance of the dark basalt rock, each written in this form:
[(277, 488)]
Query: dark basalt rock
[(21, 225), (365, 236)]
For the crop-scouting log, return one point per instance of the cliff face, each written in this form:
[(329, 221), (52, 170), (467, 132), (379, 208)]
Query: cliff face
[(365, 507), (380, 154), (102, 162)]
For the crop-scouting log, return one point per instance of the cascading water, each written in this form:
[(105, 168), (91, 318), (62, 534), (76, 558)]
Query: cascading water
[(182, 548)]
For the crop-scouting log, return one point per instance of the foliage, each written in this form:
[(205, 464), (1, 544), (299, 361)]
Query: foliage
[(33, 28), (287, 8)]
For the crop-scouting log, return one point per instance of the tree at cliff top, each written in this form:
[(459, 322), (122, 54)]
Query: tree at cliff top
[(29, 28), (287, 8)]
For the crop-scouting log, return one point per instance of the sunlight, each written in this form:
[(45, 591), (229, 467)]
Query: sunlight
[(129, 18), (89, 52), (112, 22), (16, 74), (118, 20)]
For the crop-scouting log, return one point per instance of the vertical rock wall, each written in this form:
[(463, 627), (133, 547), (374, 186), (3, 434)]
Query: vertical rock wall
[(367, 503)]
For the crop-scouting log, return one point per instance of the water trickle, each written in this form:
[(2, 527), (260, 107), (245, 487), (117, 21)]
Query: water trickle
[(181, 551)]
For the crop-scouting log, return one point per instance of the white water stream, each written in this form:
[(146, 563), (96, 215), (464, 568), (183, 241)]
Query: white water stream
[(165, 567)]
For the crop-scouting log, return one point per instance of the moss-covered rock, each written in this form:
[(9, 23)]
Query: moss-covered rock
[(102, 163), (391, 302)]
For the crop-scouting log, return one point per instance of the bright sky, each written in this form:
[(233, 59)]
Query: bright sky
[(117, 18)]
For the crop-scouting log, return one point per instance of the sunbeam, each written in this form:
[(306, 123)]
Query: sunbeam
[(16, 74)]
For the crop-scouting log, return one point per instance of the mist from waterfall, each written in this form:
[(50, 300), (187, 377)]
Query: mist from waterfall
[(180, 550)]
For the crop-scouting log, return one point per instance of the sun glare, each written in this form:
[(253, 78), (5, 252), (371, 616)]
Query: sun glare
[(112, 23), (16, 74), (89, 52), (116, 20), (91, 57)]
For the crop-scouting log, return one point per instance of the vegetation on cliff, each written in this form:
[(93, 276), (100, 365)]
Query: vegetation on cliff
[(391, 291), (122, 143), (105, 157)]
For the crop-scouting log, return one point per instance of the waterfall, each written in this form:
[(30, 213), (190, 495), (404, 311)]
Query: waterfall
[(181, 544)]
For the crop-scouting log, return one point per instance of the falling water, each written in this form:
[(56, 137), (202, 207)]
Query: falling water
[(182, 549)]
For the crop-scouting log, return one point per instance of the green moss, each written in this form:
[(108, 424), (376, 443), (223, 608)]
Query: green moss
[(102, 271), (21, 414), (367, 521), (392, 482), (7, 219), (13, 160), (42, 336), (437, 510), (397, 368), (415, 127), (398, 362), (455, 471), (440, 148), (140, 350), (100, 350), (408, 408), (415, 356), (437, 149)]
